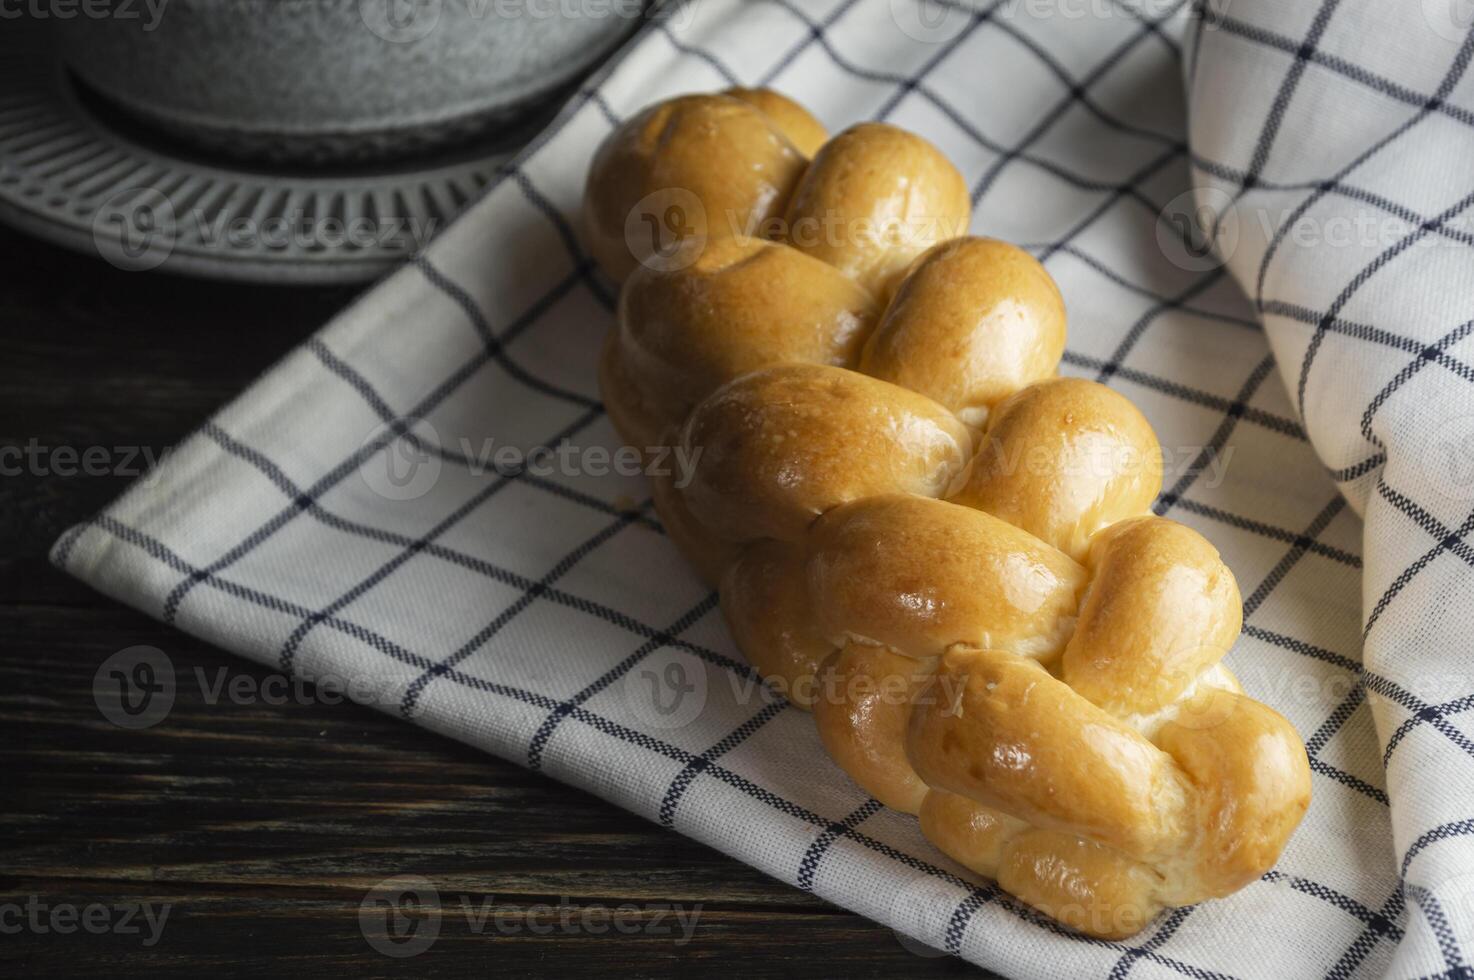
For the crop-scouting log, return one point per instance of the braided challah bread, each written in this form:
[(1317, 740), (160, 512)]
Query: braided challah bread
[(918, 530)]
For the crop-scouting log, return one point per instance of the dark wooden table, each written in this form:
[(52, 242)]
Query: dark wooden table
[(263, 827)]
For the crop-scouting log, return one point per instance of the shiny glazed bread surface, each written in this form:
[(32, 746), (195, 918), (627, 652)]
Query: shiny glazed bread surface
[(919, 531)]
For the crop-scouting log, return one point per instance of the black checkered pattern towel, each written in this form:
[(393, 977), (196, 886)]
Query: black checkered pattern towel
[(1312, 381)]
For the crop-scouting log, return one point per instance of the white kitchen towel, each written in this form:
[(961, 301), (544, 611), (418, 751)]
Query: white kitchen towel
[(373, 509)]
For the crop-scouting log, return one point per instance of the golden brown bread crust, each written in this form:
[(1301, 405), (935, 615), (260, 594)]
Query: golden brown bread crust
[(743, 304), (941, 548), (985, 582), (1165, 610), (874, 199), (805, 132), (863, 709), (764, 601), (1001, 730), (635, 419), (972, 834), (974, 321), (707, 553), (1248, 767), (1063, 459), (1082, 884), (723, 164), (783, 445)]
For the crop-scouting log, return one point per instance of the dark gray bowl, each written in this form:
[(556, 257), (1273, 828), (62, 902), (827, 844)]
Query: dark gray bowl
[(338, 80)]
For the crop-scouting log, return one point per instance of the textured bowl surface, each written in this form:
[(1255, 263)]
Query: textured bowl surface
[(333, 79)]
